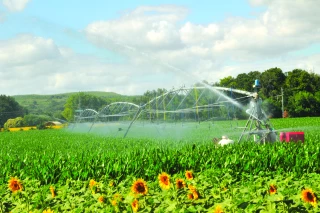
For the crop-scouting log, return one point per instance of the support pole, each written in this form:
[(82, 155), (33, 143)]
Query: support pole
[(133, 120), (250, 119), (282, 108), (94, 121)]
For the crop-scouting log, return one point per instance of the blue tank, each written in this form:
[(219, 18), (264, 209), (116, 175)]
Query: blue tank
[(257, 83)]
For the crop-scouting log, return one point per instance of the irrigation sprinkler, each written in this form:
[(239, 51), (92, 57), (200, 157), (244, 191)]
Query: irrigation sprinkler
[(258, 123), (196, 106)]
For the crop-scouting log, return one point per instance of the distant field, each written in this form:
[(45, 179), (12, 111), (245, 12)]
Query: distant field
[(244, 177)]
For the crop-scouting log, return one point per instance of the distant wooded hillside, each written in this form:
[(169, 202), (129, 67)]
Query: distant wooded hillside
[(53, 105)]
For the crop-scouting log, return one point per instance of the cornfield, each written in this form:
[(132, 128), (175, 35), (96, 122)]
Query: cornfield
[(60, 171)]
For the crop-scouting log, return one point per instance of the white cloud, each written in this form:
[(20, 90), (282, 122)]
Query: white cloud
[(15, 5), (27, 49), (152, 34), (260, 2), (162, 50), (36, 65), (145, 27), (276, 32), (192, 34)]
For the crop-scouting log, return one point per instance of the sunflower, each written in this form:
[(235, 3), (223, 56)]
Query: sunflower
[(15, 184), (135, 205), (180, 183), (92, 183), (164, 180), (273, 189), (308, 196), (195, 193), (192, 188), (190, 196), (48, 211), (218, 209), (189, 175), (114, 202), (52, 191), (101, 199), (117, 196), (140, 187)]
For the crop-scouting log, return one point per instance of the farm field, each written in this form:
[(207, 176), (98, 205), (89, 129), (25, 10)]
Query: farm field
[(64, 171)]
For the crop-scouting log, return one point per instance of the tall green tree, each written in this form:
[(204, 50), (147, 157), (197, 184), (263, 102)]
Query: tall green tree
[(303, 104), (302, 93), (272, 80), (245, 81), (228, 82), (300, 80), (149, 95), (82, 101), (9, 108)]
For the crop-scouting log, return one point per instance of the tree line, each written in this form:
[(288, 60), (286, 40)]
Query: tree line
[(301, 96), (301, 90)]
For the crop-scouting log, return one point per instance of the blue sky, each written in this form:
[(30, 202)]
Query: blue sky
[(53, 18), (78, 14), (134, 46)]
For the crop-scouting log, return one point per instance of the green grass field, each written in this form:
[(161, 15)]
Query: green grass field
[(245, 177)]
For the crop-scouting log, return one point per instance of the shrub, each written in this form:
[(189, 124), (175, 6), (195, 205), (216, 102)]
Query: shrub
[(41, 126)]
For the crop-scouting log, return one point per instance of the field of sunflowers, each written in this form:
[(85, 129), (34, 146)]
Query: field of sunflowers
[(61, 171)]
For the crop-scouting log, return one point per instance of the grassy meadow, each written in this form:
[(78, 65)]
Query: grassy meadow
[(69, 171)]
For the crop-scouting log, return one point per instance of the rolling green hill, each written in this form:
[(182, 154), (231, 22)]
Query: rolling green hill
[(54, 104)]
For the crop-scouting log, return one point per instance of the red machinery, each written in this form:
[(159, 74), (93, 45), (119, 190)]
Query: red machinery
[(291, 136)]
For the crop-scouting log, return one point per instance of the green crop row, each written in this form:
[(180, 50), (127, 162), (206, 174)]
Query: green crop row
[(54, 156)]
